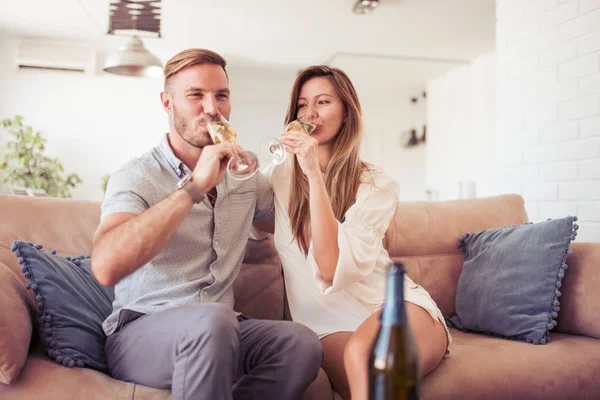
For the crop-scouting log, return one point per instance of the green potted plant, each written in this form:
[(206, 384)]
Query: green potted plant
[(104, 182), (27, 164)]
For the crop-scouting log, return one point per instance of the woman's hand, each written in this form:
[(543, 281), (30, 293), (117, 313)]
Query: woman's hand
[(306, 149)]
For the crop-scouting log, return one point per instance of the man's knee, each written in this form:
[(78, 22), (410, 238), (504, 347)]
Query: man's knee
[(304, 348)]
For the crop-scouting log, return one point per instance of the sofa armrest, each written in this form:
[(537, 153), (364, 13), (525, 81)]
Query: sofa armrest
[(15, 325), (580, 300)]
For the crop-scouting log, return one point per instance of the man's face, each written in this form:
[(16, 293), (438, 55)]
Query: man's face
[(199, 94)]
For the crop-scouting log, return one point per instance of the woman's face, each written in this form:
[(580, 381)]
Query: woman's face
[(320, 105)]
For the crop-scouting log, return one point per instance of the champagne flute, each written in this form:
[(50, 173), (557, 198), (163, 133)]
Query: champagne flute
[(273, 150), (241, 166)]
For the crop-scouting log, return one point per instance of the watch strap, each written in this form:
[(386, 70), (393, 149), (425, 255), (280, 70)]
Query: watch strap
[(186, 184)]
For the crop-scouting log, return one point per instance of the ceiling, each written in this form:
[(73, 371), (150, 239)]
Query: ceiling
[(276, 32)]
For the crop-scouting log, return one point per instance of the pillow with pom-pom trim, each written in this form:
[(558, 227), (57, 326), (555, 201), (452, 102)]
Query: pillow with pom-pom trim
[(511, 278), (71, 305)]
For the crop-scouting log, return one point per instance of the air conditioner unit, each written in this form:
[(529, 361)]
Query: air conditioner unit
[(56, 57)]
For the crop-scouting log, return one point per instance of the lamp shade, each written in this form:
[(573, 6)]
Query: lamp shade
[(365, 6), (133, 59)]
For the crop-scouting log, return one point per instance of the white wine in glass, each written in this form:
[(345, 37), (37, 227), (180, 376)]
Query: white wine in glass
[(274, 151), (242, 166)]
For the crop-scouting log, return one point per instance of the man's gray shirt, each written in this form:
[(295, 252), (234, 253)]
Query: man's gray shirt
[(203, 257)]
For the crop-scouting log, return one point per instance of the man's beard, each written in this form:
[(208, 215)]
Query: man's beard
[(188, 135)]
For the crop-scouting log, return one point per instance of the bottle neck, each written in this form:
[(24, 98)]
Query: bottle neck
[(394, 312)]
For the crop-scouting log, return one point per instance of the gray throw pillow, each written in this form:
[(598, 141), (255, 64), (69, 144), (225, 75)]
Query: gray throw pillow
[(510, 282), (71, 305)]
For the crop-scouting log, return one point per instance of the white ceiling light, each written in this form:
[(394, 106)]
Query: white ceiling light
[(133, 59), (365, 6)]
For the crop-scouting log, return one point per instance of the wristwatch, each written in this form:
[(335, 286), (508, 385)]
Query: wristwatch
[(185, 184)]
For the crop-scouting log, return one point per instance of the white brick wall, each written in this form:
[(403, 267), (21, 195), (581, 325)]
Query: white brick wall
[(548, 107), (586, 6), (590, 84), (590, 126)]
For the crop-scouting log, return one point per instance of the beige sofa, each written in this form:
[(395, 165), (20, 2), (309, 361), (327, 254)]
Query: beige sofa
[(425, 238)]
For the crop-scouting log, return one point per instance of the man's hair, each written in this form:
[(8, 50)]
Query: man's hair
[(189, 58)]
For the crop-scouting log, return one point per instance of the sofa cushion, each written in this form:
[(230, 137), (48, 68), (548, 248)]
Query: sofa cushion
[(43, 379), (15, 326), (580, 303), (490, 368), (511, 278), (71, 305), (259, 288)]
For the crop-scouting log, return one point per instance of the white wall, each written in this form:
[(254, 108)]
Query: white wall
[(388, 116), (94, 124), (549, 107), (461, 136), (6, 57), (385, 86)]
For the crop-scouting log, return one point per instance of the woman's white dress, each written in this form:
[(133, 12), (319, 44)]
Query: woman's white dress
[(358, 286)]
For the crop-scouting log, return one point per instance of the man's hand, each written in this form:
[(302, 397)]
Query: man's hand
[(212, 165)]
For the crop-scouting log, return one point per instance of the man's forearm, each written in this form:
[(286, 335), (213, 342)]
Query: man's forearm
[(122, 250)]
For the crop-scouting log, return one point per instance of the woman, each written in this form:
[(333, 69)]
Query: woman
[(332, 211)]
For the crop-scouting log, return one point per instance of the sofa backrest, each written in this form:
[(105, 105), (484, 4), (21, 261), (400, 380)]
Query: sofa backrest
[(425, 238), (69, 225), (62, 224)]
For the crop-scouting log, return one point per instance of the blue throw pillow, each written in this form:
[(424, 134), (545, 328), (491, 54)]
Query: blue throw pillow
[(71, 305), (510, 282)]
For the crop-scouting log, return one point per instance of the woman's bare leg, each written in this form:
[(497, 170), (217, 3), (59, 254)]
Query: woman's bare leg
[(333, 361), (429, 336)]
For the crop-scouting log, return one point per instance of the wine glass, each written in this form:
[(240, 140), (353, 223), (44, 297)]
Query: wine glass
[(273, 150), (241, 166)]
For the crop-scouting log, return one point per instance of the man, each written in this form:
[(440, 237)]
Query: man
[(171, 239)]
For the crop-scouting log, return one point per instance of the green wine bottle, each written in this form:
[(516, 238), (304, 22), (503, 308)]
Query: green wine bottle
[(394, 361)]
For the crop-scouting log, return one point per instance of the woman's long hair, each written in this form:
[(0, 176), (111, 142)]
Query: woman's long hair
[(343, 173)]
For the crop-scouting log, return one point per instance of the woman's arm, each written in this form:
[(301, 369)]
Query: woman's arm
[(359, 238), (324, 228), (343, 253), (323, 225)]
